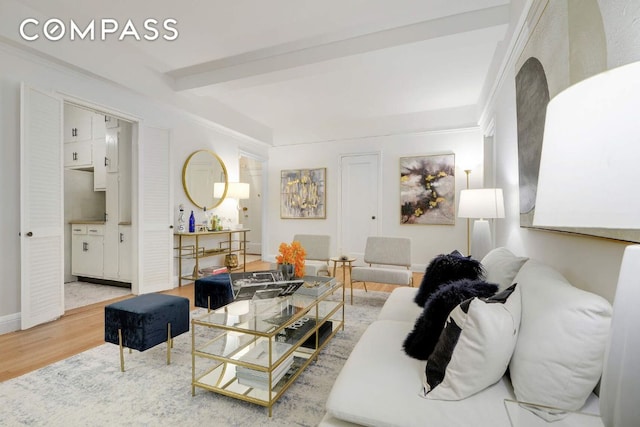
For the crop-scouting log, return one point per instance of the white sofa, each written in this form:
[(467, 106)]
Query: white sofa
[(558, 356)]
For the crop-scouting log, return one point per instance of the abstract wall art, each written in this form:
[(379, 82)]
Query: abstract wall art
[(303, 193), (427, 189)]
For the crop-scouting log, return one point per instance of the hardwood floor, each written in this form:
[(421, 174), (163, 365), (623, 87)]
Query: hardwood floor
[(82, 328)]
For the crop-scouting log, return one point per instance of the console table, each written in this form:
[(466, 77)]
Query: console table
[(194, 246)]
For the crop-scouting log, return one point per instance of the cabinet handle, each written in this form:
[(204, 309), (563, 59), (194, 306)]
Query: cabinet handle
[(75, 155), (121, 237), (85, 247), (74, 132), (106, 162)]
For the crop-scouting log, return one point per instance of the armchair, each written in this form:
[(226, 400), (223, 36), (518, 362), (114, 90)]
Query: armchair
[(385, 255), (318, 250)]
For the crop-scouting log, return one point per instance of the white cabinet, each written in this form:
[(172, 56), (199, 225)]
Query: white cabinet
[(87, 250), (111, 243), (77, 124), (124, 253), (78, 155), (99, 164), (110, 122), (112, 149), (85, 142)]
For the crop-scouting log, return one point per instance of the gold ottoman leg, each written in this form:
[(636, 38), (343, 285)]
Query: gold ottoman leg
[(169, 343), (121, 354)]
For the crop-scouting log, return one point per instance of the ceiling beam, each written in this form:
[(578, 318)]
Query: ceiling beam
[(289, 56)]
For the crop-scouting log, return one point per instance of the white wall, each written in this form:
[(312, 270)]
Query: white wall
[(589, 263), (427, 240), (187, 135)]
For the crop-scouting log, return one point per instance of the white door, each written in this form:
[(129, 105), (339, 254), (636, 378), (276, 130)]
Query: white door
[(41, 207), (155, 219), (359, 203)]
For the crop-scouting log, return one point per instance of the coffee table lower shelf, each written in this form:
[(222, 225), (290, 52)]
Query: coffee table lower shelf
[(221, 378)]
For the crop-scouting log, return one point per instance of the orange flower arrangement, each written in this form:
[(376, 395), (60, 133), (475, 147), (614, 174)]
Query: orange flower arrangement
[(292, 254)]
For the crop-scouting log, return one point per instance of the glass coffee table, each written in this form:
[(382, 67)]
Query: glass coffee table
[(254, 350)]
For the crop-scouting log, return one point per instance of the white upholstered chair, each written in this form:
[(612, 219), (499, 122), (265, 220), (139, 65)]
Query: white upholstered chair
[(318, 249), (386, 256)]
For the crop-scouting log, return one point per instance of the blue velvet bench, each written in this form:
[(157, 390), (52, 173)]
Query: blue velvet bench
[(145, 321), (213, 292)]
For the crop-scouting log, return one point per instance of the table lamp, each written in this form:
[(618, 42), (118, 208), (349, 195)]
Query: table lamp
[(588, 178), (481, 203)]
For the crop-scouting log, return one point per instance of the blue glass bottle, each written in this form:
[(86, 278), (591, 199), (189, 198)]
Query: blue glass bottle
[(192, 223)]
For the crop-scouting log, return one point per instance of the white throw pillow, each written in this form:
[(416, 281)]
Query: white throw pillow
[(501, 266), (475, 346), (559, 355)]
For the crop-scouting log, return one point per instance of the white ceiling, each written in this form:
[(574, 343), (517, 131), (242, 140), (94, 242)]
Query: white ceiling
[(301, 70)]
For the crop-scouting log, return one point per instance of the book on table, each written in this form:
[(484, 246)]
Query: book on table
[(259, 355), (262, 285)]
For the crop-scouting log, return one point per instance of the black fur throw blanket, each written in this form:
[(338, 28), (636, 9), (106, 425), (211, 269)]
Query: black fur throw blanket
[(447, 268), (423, 338)]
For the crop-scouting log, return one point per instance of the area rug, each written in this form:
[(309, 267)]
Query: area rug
[(89, 390), (79, 294)]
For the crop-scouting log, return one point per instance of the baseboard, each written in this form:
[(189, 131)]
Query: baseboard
[(9, 323)]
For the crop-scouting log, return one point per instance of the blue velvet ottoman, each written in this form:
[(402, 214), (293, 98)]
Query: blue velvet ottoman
[(145, 321), (213, 292)]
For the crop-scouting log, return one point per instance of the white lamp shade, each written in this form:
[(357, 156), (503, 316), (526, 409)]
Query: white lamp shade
[(218, 189), (235, 190), (590, 153), (481, 203), (588, 178), (238, 190)]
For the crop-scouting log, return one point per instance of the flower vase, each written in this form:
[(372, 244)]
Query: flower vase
[(287, 271)]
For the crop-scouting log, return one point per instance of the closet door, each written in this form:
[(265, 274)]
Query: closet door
[(41, 206), (155, 212)]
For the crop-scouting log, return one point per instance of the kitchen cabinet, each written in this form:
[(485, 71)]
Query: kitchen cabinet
[(87, 250), (78, 124), (78, 155), (112, 150), (124, 253), (111, 122), (85, 143), (99, 150)]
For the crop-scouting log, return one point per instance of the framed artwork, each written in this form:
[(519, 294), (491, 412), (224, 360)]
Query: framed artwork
[(303, 193), (427, 189)]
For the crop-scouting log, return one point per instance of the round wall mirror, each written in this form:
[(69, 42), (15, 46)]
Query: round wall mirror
[(201, 171)]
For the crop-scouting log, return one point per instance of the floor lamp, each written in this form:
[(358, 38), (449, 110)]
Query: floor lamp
[(588, 178), (482, 204)]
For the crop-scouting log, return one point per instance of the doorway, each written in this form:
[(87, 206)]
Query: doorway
[(359, 202), (148, 249), (250, 215), (97, 206)]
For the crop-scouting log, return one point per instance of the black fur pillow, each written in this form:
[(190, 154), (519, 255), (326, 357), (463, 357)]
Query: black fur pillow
[(447, 268), (425, 334)]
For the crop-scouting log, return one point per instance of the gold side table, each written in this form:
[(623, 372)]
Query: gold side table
[(346, 262)]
